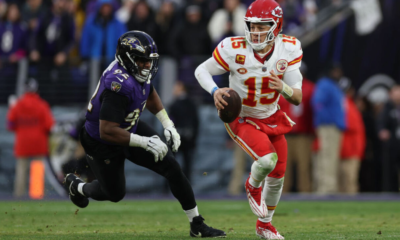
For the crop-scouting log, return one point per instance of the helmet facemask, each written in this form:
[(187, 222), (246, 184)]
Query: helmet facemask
[(269, 34), (141, 75)]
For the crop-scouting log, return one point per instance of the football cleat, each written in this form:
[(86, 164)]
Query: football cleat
[(201, 230), (71, 184), (267, 231), (256, 200)]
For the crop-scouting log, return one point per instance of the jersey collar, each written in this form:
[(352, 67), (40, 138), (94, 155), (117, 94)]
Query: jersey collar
[(266, 57)]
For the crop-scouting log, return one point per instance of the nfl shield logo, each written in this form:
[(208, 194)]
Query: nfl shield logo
[(115, 86), (264, 69)]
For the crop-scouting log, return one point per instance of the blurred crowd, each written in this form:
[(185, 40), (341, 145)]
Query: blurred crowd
[(343, 141), (59, 37)]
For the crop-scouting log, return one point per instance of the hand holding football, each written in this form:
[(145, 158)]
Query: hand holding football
[(232, 111)]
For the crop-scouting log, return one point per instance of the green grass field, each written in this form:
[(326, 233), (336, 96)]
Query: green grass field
[(166, 220)]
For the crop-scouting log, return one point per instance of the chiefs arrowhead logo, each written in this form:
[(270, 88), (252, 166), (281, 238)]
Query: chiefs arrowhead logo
[(242, 70), (277, 12)]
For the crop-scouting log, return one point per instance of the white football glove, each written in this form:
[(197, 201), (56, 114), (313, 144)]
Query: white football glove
[(152, 144), (170, 132), (157, 147)]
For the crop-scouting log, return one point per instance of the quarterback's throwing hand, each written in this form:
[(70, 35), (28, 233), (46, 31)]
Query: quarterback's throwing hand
[(218, 100), (157, 147), (275, 82), (171, 134)]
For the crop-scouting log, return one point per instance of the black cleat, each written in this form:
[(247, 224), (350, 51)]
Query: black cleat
[(71, 184), (199, 229)]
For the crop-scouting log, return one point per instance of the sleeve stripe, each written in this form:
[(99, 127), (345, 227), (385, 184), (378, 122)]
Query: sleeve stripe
[(296, 60), (220, 60)]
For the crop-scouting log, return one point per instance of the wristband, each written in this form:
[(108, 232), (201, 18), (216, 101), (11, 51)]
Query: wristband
[(162, 116), (213, 90), (287, 92), (137, 141)]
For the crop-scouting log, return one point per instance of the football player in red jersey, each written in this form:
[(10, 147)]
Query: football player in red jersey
[(263, 65)]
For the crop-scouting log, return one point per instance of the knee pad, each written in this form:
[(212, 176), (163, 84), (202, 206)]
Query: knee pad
[(275, 183), (267, 163)]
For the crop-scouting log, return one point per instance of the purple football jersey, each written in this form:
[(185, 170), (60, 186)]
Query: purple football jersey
[(117, 79)]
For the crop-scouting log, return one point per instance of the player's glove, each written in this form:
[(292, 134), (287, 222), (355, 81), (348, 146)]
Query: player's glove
[(172, 136), (152, 144)]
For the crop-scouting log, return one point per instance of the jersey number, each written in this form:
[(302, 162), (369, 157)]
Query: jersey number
[(238, 42), (289, 39), (271, 94), (132, 118)]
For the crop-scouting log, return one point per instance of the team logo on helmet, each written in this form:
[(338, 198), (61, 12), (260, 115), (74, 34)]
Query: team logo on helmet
[(133, 43), (277, 12), (281, 65), (115, 86)]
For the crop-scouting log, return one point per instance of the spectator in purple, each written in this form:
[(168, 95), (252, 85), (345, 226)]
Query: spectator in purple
[(293, 14), (101, 32), (13, 46), (31, 12), (52, 42), (54, 37)]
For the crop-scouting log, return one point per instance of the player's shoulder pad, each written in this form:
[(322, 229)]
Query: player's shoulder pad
[(118, 81), (233, 44), (226, 51), (291, 44)]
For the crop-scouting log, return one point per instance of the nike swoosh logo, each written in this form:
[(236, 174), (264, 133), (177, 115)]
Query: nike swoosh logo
[(196, 235), (119, 79), (272, 126)]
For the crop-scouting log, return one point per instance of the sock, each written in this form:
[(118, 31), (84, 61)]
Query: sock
[(255, 183), (272, 193), (192, 213), (80, 188)]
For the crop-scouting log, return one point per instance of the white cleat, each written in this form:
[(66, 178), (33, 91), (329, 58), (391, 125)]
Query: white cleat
[(267, 231)]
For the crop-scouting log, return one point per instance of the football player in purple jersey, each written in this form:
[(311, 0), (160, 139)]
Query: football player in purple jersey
[(113, 132)]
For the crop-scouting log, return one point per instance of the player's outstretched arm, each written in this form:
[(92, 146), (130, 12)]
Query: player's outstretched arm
[(155, 106)]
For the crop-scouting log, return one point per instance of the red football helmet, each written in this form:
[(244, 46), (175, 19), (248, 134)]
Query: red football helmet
[(264, 11)]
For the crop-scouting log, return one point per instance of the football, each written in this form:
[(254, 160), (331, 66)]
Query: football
[(232, 111)]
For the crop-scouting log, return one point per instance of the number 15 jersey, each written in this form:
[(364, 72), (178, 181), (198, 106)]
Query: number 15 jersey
[(250, 78)]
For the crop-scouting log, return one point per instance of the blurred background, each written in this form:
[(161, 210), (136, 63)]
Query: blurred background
[(61, 47)]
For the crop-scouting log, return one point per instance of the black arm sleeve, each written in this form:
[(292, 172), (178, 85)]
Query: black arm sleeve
[(113, 107)]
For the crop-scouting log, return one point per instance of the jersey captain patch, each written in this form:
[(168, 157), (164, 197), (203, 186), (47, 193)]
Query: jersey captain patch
[(240, 59)]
